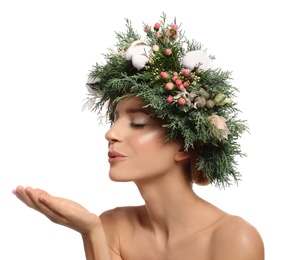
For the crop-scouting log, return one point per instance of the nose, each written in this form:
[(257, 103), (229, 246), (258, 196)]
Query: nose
[(114, 133)]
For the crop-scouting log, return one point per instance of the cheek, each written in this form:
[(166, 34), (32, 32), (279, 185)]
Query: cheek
[(147, 146), (150, 140)]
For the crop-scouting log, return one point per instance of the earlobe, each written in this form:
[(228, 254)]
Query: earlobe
[(191, 155), (181, 155)]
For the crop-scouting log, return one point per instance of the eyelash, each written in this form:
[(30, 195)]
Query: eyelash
[(137, 125)]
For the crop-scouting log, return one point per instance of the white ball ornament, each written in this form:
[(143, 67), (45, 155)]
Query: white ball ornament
[(138, 54), (198, 59)]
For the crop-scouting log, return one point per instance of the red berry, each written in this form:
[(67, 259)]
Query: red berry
[(163, 74), (170, 99), (186, 84), (178, 82), (158, 35), (169, 85), (174, 27), (168, 52), (147, 28), (182, 101), (156, 26)]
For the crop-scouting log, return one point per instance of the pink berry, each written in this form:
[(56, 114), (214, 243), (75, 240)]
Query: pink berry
[(163, 74), (156, 26), (168, 52), (155, 47), (182, 101), (170, 99), (174, 27), (147, 28), (186, 84), (186, 72), (178, 82), (167, 32), (174, 36), (158, 35), (169, 85)]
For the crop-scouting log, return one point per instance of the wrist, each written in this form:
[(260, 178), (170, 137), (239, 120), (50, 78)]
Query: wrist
[(96, 228)]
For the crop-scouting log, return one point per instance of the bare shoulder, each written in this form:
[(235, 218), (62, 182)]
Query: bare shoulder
[(235, 238)]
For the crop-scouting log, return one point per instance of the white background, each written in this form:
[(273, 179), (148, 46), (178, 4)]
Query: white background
[(46, 51)]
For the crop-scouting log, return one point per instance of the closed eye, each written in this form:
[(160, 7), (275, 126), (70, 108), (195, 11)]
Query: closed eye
[(137, 125)]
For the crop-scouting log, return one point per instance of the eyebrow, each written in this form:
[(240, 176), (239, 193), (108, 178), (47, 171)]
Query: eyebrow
[(133, 110), (137, 110)]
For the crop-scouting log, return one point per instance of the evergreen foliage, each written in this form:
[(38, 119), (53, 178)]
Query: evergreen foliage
[(192, 121)]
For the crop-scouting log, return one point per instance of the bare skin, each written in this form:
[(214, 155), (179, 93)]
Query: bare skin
[(174, 223)]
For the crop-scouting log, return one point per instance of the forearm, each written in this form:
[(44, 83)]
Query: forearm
[(95, 245)]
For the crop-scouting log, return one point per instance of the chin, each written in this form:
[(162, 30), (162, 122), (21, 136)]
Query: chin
[(118, 177)]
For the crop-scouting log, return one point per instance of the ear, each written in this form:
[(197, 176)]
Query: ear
[(181, 155)]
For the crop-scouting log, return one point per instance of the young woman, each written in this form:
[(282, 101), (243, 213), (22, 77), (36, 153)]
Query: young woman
[(173, 123)]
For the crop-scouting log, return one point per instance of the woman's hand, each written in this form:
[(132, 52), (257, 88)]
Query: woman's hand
[(59, 210)]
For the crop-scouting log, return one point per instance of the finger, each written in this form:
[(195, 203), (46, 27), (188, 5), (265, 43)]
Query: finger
[(30, 197), (22, 195), (41, 201), (72, 218), (63, 210), (67, 213), (53, 208), (36, 196)]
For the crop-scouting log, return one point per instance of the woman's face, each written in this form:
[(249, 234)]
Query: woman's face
[(137, 150)]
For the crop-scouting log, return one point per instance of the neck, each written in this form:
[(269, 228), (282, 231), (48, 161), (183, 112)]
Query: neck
[(169, 201)]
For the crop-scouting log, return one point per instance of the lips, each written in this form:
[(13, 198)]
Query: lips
[(114, 156)]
